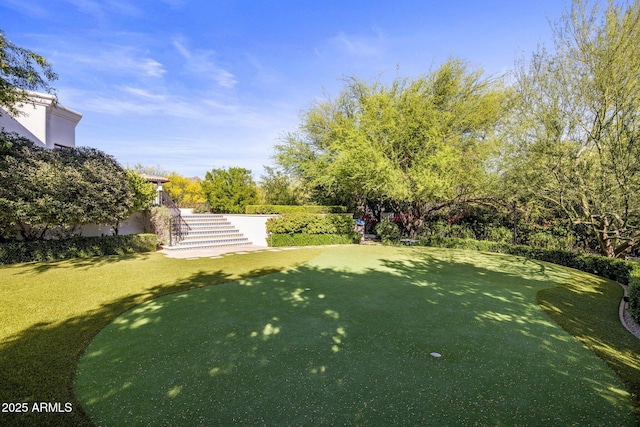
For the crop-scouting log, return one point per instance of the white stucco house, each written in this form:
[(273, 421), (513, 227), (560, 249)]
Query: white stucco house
[(45, 122)]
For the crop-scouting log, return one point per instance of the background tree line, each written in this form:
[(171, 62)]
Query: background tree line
[(549, 152), (556, 147)]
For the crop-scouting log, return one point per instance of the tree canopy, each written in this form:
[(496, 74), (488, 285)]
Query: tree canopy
[(44, 189), (21, 70), (229, 190), (414, 145), (185, 192), (575, 142)]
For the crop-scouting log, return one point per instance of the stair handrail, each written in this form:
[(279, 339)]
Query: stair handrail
[(178, 227)]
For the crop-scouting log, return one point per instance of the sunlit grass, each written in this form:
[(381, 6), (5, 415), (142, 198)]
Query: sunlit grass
[(49, 312), (346, 339)]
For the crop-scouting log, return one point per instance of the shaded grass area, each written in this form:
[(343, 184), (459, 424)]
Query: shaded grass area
[(49, 313), (347, 337), (587, 309)]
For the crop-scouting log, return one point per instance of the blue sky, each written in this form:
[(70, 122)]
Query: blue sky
[(196, 85)]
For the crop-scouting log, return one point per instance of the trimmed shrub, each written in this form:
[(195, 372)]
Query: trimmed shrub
[(388, 231), (311, 224), (77, 247), (634, 293), (311, 229), (312, 239), (288, 209)]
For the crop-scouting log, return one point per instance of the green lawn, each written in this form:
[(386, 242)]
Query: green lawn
[(49, 313), (353, 349), (345, 339)]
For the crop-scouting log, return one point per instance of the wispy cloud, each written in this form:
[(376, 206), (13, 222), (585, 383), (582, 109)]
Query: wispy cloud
[(358, 45), (202, 63), (116, 60), (101, 9), (27, 8)]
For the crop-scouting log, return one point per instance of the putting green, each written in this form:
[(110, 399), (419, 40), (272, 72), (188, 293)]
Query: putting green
[(346, 340)]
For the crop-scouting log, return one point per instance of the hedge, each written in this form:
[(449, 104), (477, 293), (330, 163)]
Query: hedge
[(625, 272), (312, 239), (634, 294), (306, 223), (285, 209), (77, 247)]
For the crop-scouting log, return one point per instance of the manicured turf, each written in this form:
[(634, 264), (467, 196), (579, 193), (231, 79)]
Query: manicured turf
[(49, 312), (346, 340)]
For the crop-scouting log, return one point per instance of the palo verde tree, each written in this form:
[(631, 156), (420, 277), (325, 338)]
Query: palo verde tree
[(576, 145), (278, 188), (185, 192), (21, 70), (416, 146)]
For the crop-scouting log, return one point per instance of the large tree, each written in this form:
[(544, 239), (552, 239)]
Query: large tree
[(21, 70), (415, 146), (576, 141), (278, 188), (229, 190), (60, 189)]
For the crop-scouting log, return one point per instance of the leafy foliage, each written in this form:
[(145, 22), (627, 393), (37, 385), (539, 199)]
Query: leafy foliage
[(303, 239), (388, 231), (157, 220), (575, 130), (21, 70), (311, 224), (634, 293), (185, 192), (78, 247), (143, 191), (416, 146), (229, 190), (43, 189), (286, 209), (278, 188)]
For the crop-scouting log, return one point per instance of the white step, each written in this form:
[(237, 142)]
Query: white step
[(208, 231), (180, 247)]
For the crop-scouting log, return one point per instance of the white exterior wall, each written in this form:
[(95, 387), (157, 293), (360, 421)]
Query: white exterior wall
[(42, 122), (253, 227), (131, 226)]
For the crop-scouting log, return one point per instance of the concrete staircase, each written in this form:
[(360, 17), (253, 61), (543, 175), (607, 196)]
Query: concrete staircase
[(208, 231)]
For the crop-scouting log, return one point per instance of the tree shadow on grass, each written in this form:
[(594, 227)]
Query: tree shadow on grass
[(349, 317), (48, 354), (586, 307), (90, 262)]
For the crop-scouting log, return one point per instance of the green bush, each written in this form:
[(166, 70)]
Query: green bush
[(444, 229), (388, 231), (311, 224), (77, 247), (541, 239), (276, 240), (634, 293), (287, 209), (498, 234)]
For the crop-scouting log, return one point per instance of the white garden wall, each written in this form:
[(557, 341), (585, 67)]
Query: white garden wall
[(253, 227)]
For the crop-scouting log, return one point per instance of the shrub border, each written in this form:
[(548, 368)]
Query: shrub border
[(299, 239), (77, 247)]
